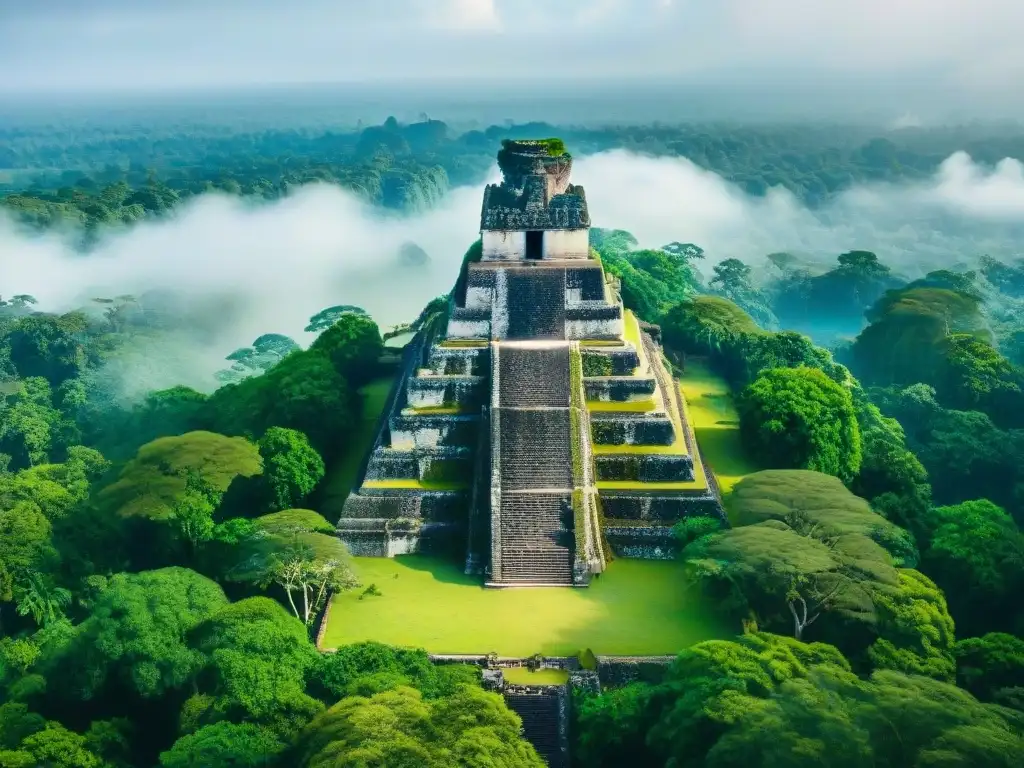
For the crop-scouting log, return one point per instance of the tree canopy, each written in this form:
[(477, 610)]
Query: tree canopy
[(799, 418)]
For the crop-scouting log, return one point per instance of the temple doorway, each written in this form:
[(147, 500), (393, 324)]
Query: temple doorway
[(535, 245)]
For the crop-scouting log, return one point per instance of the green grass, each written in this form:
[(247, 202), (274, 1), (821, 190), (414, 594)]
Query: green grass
[(621, 406), (678, 448), (716, 424), (436, 410), (523, 676), (635, 607), (464, 343), (343, 473), (697, 484), (412, 484)]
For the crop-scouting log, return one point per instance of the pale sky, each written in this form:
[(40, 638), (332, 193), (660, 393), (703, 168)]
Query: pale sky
[(963, 48)]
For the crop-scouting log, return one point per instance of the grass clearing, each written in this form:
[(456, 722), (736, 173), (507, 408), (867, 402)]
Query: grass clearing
[(343, 473), (523, 676), (716, 424), (636, 607)]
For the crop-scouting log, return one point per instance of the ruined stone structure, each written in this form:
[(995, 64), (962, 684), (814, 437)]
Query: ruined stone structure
[(535, 425)]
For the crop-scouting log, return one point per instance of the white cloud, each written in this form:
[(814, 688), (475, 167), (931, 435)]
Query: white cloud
[(964, 210), (997, 195), (467, 15)]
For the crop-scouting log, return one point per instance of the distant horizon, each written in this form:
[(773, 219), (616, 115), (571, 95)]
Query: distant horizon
[(633, 100)]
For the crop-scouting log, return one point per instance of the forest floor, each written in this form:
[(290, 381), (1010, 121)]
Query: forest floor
[(716, 424), (637, 607), (343, 473)]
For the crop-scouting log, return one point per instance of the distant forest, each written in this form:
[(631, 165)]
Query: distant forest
[(107, 175)]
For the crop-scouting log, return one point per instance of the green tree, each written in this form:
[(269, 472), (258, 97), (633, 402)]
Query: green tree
[(732, 279), (298, 551), (801, 725), (224, 745), (363, 669), (353, 345), (49, 346), (259, 658), (991, 667), (25, 546), (54, 746), (891, 476), (151, 484), (30, 427), (977, 555), (303, 392), (704, 324), (915, 629), (291, 467), (977, 377), (37, 596), (813, 503), (135, 638), (711, 685), (399, 728), (799, 418), (904, 343), (192, 513), (787, 581), (326, 318)]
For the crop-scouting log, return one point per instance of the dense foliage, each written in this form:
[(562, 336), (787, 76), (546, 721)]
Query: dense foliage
[(161, 570)]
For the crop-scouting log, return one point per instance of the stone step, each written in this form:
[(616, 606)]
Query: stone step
[(536, 304), (540, 716), (534, 377), (535, 449), (536, 545)]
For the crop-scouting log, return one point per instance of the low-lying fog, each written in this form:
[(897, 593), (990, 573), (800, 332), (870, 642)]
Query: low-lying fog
[(251, 269)]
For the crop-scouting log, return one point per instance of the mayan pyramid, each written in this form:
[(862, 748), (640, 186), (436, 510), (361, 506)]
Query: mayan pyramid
[(535, 426)]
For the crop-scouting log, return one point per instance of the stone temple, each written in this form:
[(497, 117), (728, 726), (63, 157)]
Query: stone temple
[(535, 428)]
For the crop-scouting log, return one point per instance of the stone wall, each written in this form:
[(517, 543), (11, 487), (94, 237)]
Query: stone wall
[(645, 468), (494, 570), (566, 244), (620, 388), (632, 429), (642, 542), (503, 245), (617, 671), (432, 430), (658, 509), (459, 361), (468, 392), (586, 282), (613, 362), (478, 530)]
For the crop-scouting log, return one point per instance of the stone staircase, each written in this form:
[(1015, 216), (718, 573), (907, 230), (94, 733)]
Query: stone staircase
[(534, 377), (536, 304), (535, 449), (536, 545), (535, 537), (540, 715)]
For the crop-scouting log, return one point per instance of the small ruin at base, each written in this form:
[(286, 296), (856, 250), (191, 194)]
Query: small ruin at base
[(535, 427)]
